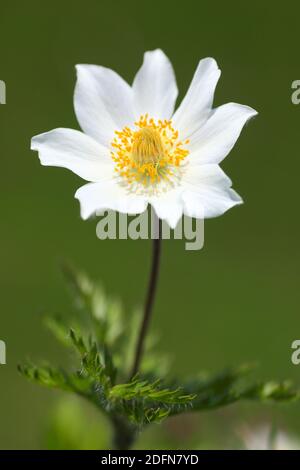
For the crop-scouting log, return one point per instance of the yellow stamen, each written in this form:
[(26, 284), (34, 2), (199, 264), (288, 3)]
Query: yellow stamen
[(147, 147), (148, 153)]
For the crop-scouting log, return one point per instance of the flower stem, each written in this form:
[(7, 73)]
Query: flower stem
[(149, 301), (124, 435)]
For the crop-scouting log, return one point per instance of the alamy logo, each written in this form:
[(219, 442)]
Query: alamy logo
[(2, 92), (295, 97), (114, 225), (295, 357), (2, 352)]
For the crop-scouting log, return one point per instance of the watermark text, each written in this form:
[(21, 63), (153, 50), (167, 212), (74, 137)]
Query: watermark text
[(2, 92), (2, 352), (114, 225)]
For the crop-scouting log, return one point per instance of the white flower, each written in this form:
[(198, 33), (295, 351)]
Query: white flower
[(134, 150)]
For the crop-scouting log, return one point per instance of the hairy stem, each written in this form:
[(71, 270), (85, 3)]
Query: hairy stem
[(149, 301)]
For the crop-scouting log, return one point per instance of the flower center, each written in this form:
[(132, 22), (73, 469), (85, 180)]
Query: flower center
[(147, 147), (148, 153)]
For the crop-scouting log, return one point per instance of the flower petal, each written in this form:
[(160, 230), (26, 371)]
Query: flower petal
[(102, 101), (94, 197), (207, 192), (197, 103), (76, 151), (168, 206), (215, 139), (154, 87)]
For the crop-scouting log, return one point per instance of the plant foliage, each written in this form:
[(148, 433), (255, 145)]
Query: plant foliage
[(103, 343)]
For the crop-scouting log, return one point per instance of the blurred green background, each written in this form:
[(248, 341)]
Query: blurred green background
[(235, 301)]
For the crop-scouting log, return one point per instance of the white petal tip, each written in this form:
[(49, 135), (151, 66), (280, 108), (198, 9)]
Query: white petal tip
[(173, 223), (80, 67), (36, 141), (250, 112), (157, 51), (84, 214), (33, 145), (170, 220), (210, 61)]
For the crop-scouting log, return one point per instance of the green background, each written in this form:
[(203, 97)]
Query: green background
[(235, 301)]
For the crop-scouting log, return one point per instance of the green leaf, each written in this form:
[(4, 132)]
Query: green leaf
[(231, 386), (78, 342), (58, 328), (144, 402), (46, 376), (104, 314)]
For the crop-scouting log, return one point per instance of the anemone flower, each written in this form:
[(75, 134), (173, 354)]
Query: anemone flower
[(135, 150)]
